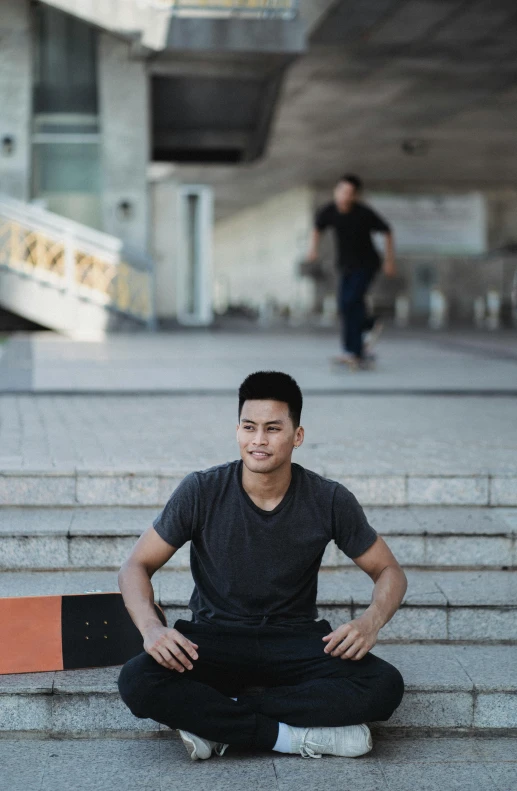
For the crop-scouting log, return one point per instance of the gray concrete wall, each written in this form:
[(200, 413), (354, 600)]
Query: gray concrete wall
[(15, 97), (124, 112), (257, 251)]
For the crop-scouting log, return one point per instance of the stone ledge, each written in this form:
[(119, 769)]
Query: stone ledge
[(441, 490), (92, 712), (74, 537), (377, 490), (497, 710), (108, 548), (450, 589), (503, 490), (104, 712), (440, 694), (46, 488), (37, 489), (152, 488)]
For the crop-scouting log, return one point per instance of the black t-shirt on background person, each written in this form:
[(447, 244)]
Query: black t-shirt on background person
[(353, 230), (252, 566)]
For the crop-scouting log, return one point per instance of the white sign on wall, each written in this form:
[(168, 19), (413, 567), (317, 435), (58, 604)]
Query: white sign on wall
[(439, 224)]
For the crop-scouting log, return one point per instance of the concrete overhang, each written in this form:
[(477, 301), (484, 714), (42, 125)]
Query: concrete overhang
[(266, 36), (213, 110), (215, 85)]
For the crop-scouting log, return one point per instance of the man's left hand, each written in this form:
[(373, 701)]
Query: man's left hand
[(353, 640)]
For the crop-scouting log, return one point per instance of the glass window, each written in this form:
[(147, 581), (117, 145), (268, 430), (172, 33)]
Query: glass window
[(66, 178), (66, 167), (65, 78), (66, 153)]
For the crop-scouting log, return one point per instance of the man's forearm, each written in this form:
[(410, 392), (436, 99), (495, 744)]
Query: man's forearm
[(389, 254), (138, 594), (388, 593), (314, 245)]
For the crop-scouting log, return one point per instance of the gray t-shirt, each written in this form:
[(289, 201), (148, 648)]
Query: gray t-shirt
[(252, 566)]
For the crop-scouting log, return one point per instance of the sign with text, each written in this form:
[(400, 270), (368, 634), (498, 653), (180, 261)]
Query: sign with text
[(440, 224)]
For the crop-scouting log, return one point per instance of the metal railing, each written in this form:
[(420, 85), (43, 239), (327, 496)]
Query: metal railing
[(73, 258), (284, 9)]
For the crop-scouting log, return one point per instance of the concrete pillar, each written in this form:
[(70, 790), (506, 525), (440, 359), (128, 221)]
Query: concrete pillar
[(493, 304), (15, 98), (124, 116), (438, 309), (329, 312), (164, 247), (479, 309), (402, 310)]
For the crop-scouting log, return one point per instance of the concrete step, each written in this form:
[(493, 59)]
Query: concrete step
[(448, 689), (453, 606), (146, 487), (101, 538)]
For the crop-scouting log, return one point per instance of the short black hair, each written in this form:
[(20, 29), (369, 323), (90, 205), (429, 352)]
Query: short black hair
[(273, 386), (352, 179)]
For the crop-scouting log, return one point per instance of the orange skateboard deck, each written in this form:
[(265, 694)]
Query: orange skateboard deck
[(41, 633)]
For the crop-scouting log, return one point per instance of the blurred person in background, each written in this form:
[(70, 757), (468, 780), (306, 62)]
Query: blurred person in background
[(357, 262)]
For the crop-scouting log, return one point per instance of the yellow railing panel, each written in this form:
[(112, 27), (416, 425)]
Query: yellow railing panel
[(111, 283), (230, 6)]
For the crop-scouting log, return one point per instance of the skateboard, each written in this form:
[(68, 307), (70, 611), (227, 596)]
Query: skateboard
[(41, 633), (352, 365)]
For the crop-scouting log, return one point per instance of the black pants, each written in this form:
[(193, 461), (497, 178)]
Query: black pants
[(351, 305), (303, 685)]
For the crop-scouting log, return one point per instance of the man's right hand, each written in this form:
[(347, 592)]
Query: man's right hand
[(170, 648), (389, 268)]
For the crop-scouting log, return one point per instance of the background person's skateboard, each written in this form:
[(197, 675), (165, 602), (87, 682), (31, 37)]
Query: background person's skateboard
[(40, 633), (338, 362)]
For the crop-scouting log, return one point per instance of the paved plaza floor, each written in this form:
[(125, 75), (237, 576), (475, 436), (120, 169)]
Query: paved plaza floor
[(426, 764), (352, 435), (216, 362), (434, 405)]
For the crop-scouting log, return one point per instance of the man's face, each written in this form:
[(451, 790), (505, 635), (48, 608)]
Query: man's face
[(266, 435), (344, 194)]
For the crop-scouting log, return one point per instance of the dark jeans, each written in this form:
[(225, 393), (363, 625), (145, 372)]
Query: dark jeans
[(354, 320), (303, 685)]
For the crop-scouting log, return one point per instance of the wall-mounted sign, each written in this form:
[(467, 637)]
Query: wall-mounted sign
[(440, 224)]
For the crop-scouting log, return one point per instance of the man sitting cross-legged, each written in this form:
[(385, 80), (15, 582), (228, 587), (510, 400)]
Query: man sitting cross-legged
[(253, 668)]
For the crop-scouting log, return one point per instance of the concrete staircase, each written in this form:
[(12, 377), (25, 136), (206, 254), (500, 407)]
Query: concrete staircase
[(68, 277), (454, 638)]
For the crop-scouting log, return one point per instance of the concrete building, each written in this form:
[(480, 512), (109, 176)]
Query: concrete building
[(162, 160)]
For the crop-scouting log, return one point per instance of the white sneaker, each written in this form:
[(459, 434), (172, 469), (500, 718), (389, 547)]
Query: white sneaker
[(199, 748), (346, 359), (348, 741)]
